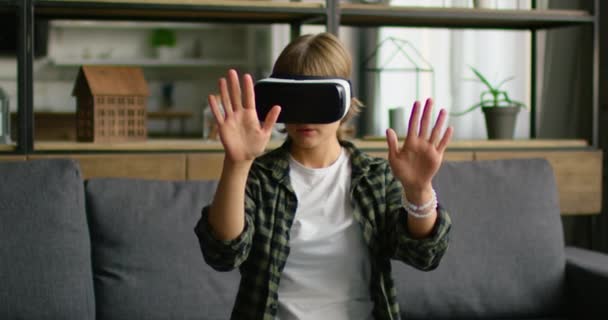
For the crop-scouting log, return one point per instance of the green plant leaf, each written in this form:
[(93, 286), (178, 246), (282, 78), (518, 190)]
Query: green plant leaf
[(498, 97), (482, 78), (505, 81), (163, 37), (473, 107), (504, 94)]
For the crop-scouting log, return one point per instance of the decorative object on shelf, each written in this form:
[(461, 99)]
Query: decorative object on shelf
[(165, 42), (197, 49), (396, 120), (167, 96), (403, 59), (484, 4), (111, 104), (499, 110), (209, 125), (5, 118)]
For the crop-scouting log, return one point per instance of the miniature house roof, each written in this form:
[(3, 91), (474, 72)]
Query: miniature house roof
[(111, 80)]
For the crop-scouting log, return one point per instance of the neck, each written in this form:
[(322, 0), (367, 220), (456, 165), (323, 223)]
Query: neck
[(320, 156)]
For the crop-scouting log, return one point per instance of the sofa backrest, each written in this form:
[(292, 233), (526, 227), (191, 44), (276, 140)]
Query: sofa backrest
[(45, 254), (146, 258), (506, 254)]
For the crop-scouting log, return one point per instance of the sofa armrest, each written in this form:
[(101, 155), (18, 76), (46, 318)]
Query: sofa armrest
[(587, 282)]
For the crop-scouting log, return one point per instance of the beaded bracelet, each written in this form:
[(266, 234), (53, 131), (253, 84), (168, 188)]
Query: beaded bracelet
[(423, 211)]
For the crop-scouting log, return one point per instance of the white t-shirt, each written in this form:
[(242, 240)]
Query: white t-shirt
[(327, 272)]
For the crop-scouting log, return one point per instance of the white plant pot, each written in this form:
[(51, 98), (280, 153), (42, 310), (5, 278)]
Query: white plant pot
[(397, 120), (484, 4), (167, 53)]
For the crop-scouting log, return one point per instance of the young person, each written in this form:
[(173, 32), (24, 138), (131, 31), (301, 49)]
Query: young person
[(313, 224)]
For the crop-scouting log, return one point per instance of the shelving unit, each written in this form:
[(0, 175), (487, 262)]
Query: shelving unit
[(532, 20), (329, 12)]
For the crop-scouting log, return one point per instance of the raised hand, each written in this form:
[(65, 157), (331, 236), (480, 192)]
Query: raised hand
[(420, 156), (240, 131)]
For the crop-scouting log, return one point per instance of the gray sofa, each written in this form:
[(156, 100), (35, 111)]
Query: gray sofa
[(126, 249)]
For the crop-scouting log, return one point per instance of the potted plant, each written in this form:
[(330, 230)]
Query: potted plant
[(499, 110), (164, 41), (484, 4)]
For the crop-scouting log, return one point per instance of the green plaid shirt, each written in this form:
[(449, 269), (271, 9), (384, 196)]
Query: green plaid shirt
[(270, 205)]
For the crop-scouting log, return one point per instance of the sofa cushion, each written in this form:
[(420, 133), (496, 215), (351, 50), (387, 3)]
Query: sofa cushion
[(506, 253), (45, 254), (146, 256)]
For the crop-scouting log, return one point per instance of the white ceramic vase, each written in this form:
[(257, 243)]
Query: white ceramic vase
[(397, 120), (484, 4), (167, 53)]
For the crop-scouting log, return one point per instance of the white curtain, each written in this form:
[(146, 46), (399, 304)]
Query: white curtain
[(498, 54)]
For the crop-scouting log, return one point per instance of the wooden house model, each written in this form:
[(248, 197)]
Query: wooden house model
[(110, 104)]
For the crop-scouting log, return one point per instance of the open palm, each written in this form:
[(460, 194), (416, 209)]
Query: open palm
[(419, 158), (240, 131)]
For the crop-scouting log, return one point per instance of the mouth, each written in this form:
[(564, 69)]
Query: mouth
[(305, 130)]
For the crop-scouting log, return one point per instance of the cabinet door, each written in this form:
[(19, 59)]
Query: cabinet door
[(140, 166), (204, 166)]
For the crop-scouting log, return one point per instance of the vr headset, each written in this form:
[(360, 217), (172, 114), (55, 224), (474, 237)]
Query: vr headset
[(303, 99)]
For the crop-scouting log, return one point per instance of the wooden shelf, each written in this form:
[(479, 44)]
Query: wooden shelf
[(524, 144), (384, 15), (186, 63), (215, 146), (149, 145), (185, 10), (7, 148), (126, 25)]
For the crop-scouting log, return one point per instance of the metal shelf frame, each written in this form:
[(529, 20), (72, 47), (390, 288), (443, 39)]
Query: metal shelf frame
[(228, 13), (332, 14), (379, 15)]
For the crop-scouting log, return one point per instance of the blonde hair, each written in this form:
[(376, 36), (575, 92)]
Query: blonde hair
[(321, 55)]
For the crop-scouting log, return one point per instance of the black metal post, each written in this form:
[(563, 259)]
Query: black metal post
[(596, 75), (533, 75), (25, 114), (595, 223), (333, 16), (295, 29)]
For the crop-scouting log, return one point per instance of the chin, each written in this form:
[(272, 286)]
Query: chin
[(305, 143)]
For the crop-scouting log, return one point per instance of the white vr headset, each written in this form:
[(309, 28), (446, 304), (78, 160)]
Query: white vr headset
[(303, 99)]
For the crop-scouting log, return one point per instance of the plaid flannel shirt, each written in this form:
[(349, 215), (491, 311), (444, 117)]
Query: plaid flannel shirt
[(260, 252)]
